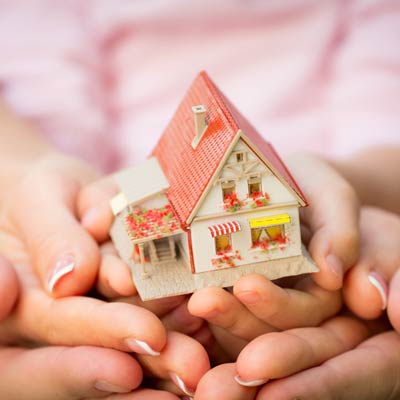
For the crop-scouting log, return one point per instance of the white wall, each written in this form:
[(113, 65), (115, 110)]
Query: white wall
[(204, 247), (157, 201), (213, 203)]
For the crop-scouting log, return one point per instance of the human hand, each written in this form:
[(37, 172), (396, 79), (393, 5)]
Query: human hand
[(32, 240), (334, 361), (70, 373), (331, 231), (374, 282), (377, 252)]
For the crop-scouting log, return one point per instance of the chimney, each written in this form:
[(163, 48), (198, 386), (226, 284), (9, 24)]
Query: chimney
[(200, 124)]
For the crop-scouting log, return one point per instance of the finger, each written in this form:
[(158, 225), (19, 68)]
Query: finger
[(368, 372), (297, 349), (144, 394), (180, 320), (215, 352), (94, 207), (115, 278), (222, 309), (67, 373), (176, 362), (159, 307), (230, 344), (219, 384), (64, 255), (83, 321), (366, 289), (9, 288), (287, 308), (394, 301), (332, 217)]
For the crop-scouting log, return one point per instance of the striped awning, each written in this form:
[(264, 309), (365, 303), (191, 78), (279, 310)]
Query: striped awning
[(225, 228)]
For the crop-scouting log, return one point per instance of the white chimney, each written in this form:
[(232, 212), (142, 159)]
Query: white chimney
[(200, 124)]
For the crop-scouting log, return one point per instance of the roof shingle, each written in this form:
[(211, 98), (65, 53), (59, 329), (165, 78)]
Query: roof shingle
[(190, 170)]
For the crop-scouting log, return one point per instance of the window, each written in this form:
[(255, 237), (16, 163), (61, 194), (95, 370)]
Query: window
[(239, 157), (223, 243), (266, 235), (254, 185), (228, 189)]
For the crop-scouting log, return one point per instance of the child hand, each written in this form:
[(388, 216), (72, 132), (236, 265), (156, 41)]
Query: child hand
[(115, 278), (258, 306), (331, 220), (374, 354), (331, 225), (310, 363)]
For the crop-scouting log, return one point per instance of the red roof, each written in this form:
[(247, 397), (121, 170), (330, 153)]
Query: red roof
[(190, 170)]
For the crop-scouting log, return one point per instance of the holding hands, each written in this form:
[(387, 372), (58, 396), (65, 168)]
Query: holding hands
[(285, 337), (54, 256)]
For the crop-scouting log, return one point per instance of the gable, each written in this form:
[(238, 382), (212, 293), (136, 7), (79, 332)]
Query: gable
[(241, 168), (190, 170)]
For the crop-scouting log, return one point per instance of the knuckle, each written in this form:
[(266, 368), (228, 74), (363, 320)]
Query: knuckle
[(350, 239)]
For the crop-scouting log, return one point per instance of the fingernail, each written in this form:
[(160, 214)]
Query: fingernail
[(256, 382), (63, 266), (249, 297), (187, 398), (336, 265), (141, 347), (380, 285), (110, 388), (181, 385)]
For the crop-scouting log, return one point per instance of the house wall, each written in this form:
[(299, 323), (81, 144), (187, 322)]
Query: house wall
[(203, 243), (182, 241), (278, 193), (157, 201)]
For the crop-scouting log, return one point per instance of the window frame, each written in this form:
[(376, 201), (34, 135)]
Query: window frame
[(263, 229), (223, 251), (249, 183), (226, 185)]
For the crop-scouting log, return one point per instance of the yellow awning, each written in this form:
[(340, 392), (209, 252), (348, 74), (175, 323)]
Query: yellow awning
[(269, 221)]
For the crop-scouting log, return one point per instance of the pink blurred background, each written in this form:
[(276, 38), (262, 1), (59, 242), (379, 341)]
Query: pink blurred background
[(101, 78)]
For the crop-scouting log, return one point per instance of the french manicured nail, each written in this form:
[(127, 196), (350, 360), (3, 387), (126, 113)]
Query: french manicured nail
[(256, 382), (380, 285), (110, 388), (336, 265), (141, 347), (249, 297), (181, 385), (63, 266)]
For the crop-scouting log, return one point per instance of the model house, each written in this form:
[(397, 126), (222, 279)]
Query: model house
[(213, 202)]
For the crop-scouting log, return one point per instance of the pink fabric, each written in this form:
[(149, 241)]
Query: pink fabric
[(102, 78)]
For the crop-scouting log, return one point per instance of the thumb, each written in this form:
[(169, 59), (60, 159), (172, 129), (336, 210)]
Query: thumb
[(94, 207), (64, 255), (332, 217)]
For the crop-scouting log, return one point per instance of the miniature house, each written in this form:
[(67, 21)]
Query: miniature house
[(212, 203)]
